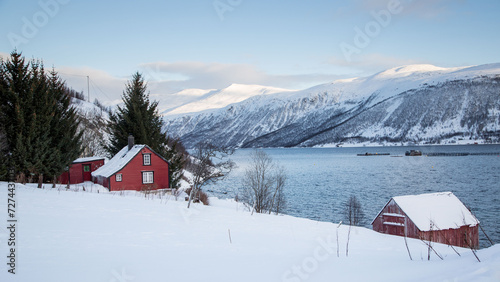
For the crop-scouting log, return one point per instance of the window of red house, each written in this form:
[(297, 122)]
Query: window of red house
[(147, 177), (146, 159)]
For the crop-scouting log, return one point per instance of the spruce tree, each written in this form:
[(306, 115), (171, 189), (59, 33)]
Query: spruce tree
[(140, 118), (66, 138), (176, 155), (38, 121), (15, 100)]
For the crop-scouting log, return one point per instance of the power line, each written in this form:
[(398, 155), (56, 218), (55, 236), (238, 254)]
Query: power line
[(95, 87), (79, 75)]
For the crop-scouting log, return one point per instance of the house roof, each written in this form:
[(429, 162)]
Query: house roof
[(87, 159), (443, 209), (120, 160)]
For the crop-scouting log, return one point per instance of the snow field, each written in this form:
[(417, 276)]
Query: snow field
[(89, 236)]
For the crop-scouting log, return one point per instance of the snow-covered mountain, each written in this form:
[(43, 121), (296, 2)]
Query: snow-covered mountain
[(216, 99), (415, 103)]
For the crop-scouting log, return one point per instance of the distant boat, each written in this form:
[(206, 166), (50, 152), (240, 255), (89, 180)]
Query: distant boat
[(413, 153)]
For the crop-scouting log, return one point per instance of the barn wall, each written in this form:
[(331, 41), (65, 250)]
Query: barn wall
[(94, 165), (76, 172), (132, 173), (464, 236)]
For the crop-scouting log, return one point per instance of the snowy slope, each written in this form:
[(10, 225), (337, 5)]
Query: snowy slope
[(87, 236), (216, 99), (417, 103), (93, 122), (170, 102)]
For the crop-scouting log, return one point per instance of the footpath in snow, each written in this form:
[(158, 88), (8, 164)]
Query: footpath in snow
[(73, 235)]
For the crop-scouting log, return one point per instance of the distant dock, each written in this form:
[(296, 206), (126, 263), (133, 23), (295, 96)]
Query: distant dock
[(456, 154), (373, 154)]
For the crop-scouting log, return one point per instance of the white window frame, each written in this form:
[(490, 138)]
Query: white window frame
[(148, 177), (146, 159), (119, 177)]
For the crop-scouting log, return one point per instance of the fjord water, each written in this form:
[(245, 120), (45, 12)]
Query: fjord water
[(320, 180)]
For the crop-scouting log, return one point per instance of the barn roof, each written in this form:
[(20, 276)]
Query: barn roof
[(120, 160), (443, 209)]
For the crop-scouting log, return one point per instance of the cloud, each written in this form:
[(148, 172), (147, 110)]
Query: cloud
[(165, 80), (177, 76), (202, 75), (103, 86)]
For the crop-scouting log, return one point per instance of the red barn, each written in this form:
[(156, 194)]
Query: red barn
[(81, 170), (437, 217), (135, 167)]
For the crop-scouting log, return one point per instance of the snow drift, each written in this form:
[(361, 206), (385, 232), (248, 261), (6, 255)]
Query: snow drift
[(88, 236)]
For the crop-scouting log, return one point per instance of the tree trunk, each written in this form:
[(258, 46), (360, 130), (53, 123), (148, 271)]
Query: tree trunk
[(191, 196), (40, 180)]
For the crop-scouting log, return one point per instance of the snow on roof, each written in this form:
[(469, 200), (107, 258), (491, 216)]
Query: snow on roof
[(120, 160), (87, 159), (444, 209)]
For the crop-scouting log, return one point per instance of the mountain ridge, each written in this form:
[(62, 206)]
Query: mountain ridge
[(390, 106), (216, 99)]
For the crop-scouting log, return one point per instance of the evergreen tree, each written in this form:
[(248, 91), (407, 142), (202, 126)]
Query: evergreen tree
[(4, 152), (176, 155), (140, 117), (66, 141), (15, 97), (38, 122)]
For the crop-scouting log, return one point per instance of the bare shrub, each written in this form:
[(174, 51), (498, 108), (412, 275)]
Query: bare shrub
[(199, 196), (263, 184), (354, 215), (148, 188), (353, 212), (210, 163)]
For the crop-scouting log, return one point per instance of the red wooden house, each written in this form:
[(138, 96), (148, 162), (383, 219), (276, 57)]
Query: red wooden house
[(437, 217), (135, 167), (81, 170)]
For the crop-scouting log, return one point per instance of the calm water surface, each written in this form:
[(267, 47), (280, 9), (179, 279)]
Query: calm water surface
[(320, 180)]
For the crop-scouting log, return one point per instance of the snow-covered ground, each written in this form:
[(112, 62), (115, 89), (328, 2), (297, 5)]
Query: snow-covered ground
[(74, 235)]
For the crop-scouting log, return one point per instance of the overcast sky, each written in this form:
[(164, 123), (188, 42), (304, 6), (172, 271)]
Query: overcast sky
[(212, 44)]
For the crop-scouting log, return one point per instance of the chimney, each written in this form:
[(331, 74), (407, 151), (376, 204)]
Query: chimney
[(130, 141)]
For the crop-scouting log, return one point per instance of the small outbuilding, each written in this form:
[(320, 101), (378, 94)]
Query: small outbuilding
[(135, 167), (81, 170), (436, 217)]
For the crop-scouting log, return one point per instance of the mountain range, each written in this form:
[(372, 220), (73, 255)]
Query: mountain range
[(408, 104)]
